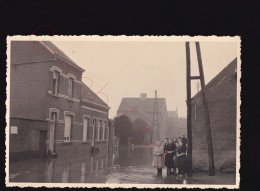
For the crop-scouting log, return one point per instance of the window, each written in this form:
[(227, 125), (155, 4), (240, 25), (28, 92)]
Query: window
[(67, 131), (85, 129), (89, 130), (71, 84), (99, 129), (56, 77), (94, 129), (53, 116), (104, 129), (106, 133)]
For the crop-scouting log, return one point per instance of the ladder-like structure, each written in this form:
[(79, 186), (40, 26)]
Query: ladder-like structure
[(156, 130), (206, 110)]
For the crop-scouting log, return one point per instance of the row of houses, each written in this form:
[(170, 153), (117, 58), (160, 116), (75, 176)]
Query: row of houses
[(52, 111)]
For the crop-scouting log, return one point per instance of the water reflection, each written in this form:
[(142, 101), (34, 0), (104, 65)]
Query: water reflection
[(50, 171), (121, 165), (83, 172), (65, 174)]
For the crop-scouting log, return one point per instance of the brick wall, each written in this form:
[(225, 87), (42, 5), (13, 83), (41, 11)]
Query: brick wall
[(221, 96)]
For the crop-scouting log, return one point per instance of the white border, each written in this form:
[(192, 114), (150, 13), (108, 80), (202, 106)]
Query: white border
[(126, 38)]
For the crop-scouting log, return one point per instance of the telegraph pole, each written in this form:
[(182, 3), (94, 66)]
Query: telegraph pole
[(206, 113), (206, 110), (155, 118), (189, 130)]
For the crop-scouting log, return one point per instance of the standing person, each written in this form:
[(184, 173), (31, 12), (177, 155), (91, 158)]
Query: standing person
[(170, 151), (165, 142), (175, 140), (182, 161), (158, 157), (175, 154), (184, 140)]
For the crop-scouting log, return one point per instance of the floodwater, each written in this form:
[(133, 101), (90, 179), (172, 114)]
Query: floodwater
[(130, 165)]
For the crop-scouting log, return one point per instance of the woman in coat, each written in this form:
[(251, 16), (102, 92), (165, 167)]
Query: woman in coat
[(158, 157), (170, 150), (182, 161)]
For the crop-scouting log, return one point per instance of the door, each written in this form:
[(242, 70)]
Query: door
[(42, 142)]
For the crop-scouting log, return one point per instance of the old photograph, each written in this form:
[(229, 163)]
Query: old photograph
[(123, 111)]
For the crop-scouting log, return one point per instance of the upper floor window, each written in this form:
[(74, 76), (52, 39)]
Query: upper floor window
[(71, 84), (56, 77)]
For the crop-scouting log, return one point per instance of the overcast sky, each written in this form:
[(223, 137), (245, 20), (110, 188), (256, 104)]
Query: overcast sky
[(130, 68)]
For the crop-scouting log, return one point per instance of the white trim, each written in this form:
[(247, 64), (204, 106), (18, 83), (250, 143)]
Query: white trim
[(53, 68), (64, 96), (75, 79), (71, 76), (85, 107), (54, 110), (70, 113)]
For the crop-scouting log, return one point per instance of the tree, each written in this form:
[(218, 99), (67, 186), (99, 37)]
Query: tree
[(141, 132), (123, 129)]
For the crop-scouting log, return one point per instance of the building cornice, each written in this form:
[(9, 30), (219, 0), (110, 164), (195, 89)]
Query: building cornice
[(92, 103)]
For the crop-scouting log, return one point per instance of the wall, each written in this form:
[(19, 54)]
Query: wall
[(221, 96), (25, 144)]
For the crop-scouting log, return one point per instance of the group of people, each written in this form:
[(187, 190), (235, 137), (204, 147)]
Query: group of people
[(171, 153)]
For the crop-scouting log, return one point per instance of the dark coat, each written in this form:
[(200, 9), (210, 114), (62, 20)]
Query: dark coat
[(169, 162)]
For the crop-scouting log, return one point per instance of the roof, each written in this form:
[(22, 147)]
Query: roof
[(88, 95), (172, 114), (212, 82), (138, 104), (57, 52)]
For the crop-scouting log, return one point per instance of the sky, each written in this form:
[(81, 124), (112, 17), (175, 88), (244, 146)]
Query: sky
[(128, 68)]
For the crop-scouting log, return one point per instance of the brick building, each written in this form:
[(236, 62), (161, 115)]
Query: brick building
[(51, 110), (143, 108), (221, 94), (177, 126)]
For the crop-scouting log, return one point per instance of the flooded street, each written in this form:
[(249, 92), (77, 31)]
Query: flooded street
[(121, 165)]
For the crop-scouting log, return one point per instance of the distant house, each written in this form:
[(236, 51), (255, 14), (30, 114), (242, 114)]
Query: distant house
[(143, 108), (176, 126), (51, 110), (221, 94)]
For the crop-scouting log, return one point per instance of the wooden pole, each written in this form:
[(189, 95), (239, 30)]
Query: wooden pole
[(206, 113), (189, 130)]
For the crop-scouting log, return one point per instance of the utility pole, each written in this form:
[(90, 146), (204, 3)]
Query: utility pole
[(206, 113), (155, 118), (189, 130), (206, 110)]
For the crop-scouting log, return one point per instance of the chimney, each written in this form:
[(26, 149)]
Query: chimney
[(143, 96)]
